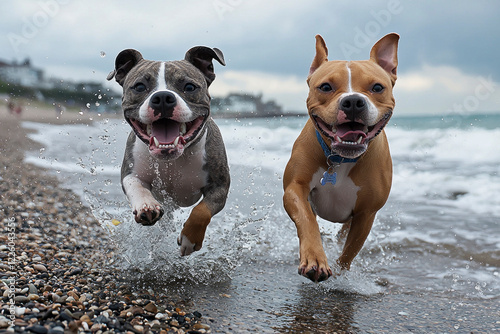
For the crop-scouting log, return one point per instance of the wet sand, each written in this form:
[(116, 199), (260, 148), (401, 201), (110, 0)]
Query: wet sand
[(254, 303)]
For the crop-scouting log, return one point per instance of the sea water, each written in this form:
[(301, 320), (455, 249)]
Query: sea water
[(439, 231)]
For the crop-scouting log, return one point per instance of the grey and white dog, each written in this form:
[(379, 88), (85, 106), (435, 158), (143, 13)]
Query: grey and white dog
[(175, 148)]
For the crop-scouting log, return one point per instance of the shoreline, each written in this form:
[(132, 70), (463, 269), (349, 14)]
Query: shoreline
[(44, 113), (81, 289), (56, 267)]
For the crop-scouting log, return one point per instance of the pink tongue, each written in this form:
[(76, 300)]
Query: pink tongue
[(351, 136), (349, 132), (165, 130)]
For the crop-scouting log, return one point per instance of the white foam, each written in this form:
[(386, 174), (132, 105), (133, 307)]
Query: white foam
[(469, 147), (259, 146)]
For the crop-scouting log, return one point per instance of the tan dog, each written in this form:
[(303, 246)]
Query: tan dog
[(341, 168)]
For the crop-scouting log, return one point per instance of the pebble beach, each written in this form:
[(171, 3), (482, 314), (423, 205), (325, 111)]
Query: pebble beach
[(56, 266)]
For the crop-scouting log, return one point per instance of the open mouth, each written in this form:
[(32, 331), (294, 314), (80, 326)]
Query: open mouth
[(166, 136), (350, 139)]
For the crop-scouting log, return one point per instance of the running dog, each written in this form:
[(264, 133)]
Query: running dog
[(174, 149), (340, 167)]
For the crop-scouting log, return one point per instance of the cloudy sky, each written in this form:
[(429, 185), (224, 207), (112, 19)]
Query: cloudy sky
[(448, 53)]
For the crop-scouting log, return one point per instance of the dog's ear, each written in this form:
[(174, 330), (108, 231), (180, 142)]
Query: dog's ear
[(124, 62), (321, 54), (385, 53), (201, 57)]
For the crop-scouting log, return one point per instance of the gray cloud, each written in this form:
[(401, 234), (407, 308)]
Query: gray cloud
[(276, 37)]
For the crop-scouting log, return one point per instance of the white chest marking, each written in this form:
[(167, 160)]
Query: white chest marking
[(334, 202), (181, 179)]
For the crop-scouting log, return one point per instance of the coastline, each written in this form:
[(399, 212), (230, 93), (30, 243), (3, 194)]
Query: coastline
[(56, 265)]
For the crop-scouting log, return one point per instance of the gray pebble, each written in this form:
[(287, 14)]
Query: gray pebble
[(56, 330)]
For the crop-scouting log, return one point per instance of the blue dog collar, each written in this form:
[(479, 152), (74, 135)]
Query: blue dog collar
[(334, 158)]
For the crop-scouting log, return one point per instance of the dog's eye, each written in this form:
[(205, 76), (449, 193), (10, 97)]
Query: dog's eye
[(139, 87), (377, 88), (189, 87), (325, 87)]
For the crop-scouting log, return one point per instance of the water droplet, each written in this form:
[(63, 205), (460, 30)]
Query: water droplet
[(97, 104), (88, 105), (99, 96), (103, 54)]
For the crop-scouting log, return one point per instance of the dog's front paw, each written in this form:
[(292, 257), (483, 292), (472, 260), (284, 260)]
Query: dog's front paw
[(315, 273), (187, 247), (315, 268), (148, 214)]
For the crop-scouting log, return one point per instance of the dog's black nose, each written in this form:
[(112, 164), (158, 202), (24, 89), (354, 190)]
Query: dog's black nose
[(353, 106), (163, 103)]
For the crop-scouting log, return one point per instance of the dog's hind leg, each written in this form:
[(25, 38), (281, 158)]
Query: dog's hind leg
[(358, 232), (342, 233), (214, 194), (193, 233)]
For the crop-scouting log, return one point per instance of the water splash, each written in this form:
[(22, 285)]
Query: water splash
[(152, 253)]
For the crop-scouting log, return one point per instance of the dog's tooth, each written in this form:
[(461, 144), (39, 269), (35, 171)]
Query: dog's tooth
[(183, 129), (148, 129), (359, 140), (176, 141), (157, 143)]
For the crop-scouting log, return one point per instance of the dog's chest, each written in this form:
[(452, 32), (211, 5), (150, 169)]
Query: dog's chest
[(334, 202), (181, 179)]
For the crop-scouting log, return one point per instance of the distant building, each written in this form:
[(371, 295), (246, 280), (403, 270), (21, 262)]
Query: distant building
[(21, 80), (244, 105), (22, 74)]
